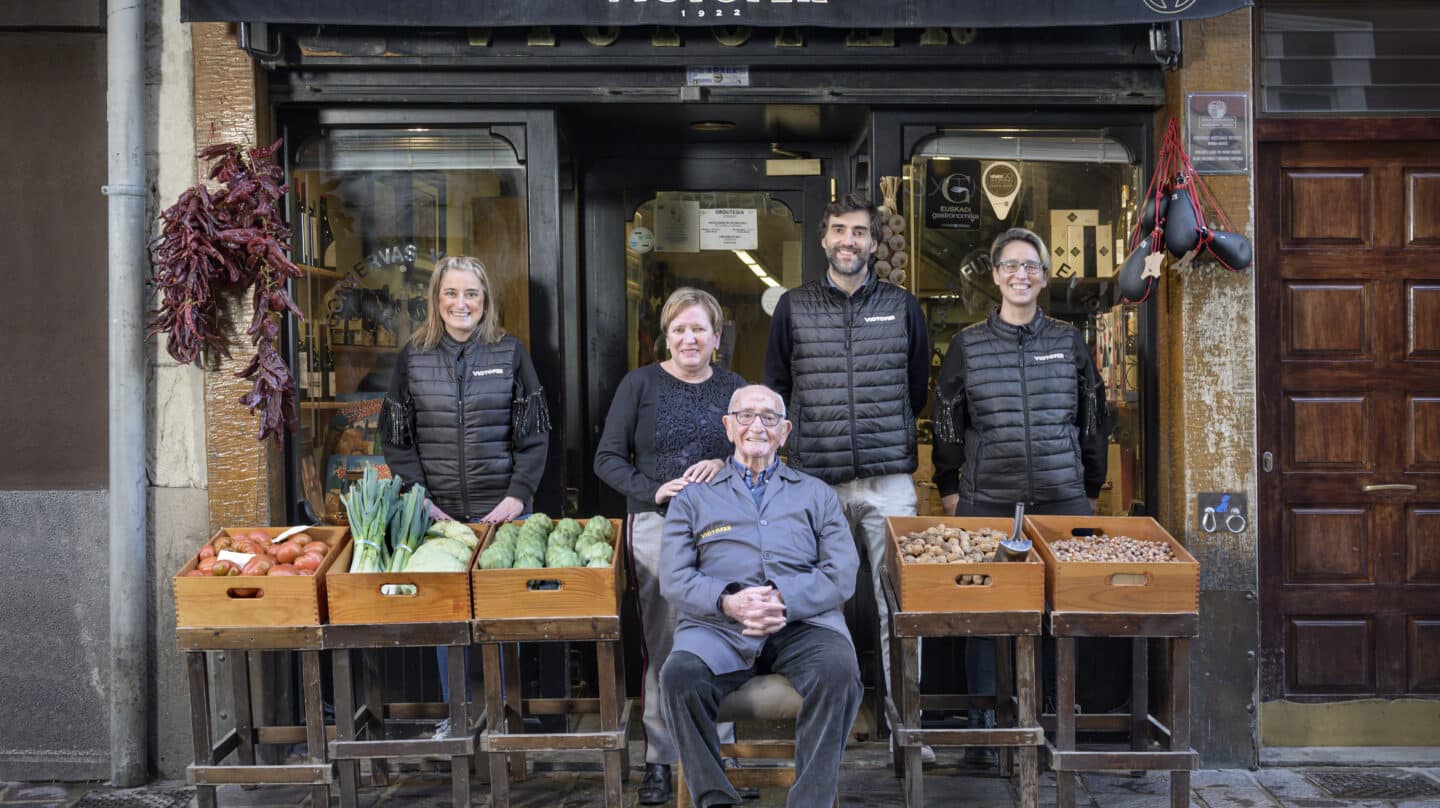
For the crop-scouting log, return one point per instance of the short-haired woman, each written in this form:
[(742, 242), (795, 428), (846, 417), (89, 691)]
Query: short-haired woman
[(663, 432), (1019, 415)]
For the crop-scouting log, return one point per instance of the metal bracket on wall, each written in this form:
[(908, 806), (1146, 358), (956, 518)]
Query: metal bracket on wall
[(1165, 44), (268, 51), (1218, 511)]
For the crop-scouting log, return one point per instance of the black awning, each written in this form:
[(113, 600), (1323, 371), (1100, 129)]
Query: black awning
[(774, 13)]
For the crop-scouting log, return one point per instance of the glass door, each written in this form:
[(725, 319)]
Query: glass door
[(374, 206), (721, 225)]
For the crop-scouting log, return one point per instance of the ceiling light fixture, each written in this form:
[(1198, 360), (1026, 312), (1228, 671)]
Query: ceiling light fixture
[(712, 126), (755, 268)]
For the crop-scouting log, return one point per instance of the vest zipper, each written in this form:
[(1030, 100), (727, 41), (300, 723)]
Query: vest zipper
[(850, 378), (460, 429), (1025, 408)]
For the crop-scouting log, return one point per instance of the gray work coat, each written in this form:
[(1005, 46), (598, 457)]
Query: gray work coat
[(717, 541)]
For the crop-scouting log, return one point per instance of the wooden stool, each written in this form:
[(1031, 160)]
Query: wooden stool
[(763, 698), (1174, 633), (245, 647), (365, 740), (504, 738), (1018, 733)]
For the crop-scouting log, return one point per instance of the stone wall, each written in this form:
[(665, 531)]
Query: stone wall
[(1207, 442)]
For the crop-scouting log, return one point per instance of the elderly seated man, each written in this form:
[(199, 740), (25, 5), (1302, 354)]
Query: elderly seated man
[(758, 563)]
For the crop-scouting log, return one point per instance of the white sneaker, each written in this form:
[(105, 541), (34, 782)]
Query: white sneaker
[(442, 729), (927, 755)]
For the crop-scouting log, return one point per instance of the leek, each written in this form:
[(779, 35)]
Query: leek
[(368, 504)]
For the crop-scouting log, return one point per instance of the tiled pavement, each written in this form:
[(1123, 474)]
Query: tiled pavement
[(567, 782)]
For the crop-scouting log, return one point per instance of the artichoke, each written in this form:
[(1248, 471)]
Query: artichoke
[(562, 557), (525, 561)]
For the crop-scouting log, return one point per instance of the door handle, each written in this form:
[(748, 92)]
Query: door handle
[(1389, 487)]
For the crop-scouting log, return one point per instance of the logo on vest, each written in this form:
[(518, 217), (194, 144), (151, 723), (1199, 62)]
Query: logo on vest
[(1049, 356), (715, 531), (490, 372), (881, 318)]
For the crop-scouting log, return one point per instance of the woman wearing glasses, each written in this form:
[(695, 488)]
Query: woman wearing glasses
[(1019, 416), (662, 433), (1020, 410)]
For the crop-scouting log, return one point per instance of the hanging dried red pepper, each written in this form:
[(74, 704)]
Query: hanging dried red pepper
[(219, 241)]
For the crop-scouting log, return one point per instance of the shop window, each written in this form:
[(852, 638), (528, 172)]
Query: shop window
[(1078, 192), (372, 212), (743, 248)]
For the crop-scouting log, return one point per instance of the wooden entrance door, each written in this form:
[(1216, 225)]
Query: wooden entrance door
[(1349, 389)]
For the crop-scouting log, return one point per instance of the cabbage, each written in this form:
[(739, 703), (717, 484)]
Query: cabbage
[(456, 531), (439, 555)]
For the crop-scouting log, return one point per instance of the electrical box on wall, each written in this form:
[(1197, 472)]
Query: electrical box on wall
[(1222, 511)]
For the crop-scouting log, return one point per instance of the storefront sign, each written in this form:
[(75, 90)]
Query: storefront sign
[(677, 225), (729, 229), (1217, 132), (952, 194), (829, 13), (717, 76), (1001, 183)]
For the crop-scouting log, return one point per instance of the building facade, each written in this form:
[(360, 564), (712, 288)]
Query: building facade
[(595, 158)]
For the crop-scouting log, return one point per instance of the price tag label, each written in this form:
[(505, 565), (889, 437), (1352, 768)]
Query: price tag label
[(238, 559)]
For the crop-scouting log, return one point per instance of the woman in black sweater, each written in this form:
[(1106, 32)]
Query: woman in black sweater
[(663, 432)]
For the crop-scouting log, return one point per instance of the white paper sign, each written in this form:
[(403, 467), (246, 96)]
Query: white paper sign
[(641, 239), (770, 298), (238, 559), (677, 225), (729, 229), (717, 76)]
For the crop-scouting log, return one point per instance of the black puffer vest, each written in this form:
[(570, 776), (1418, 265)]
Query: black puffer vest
[(850, 402), (1021, 387), (463, 395)]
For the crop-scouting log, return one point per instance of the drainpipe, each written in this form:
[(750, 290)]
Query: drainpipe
[(129, 596)]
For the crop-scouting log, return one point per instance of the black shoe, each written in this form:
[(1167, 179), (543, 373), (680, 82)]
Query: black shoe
[(747, 792), (655, 788), (982, 756)]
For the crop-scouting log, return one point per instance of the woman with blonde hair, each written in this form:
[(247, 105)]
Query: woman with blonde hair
[(662, 433), (465, 414)]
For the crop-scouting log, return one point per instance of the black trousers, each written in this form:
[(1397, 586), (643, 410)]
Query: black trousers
[(980, 651), (820, 665)]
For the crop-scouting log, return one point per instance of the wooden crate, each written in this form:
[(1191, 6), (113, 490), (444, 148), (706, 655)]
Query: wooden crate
[(256, 600), (359, 597), (557, 592), (1088, 586), (1015, 586)]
